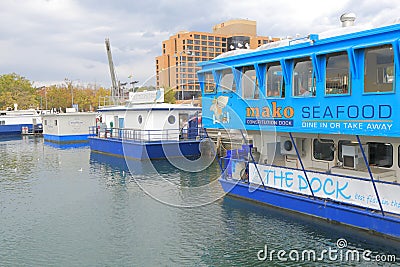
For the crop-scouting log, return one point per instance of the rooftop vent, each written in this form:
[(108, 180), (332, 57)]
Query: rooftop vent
[(348, 19)]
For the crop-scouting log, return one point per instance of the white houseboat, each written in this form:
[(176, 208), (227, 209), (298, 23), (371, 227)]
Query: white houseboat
[(147, 128), (69, 127), (16, 122)]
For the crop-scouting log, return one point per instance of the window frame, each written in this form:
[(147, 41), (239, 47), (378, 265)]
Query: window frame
[(339, 148), (349, 78), (375, 154), (282, 86), (323, 141), (313, 92), (365, 69), (256, 88), (221, 87), (208, 82)]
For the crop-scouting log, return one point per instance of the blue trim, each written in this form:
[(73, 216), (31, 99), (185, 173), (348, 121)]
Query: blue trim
[(237, 78), (201, 78), (285, 72), (217, 75), (149, 109), (145, 150), (316, 61), (16, 128), (261, 70), (67, 138), (325, 209)]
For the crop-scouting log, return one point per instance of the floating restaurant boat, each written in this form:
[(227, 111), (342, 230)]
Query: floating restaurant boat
[(16, 122), (147, 128), (67, 128), (318, 116)]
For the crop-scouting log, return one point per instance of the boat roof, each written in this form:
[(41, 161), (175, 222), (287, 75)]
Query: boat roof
[(152, 106), (20, 112), (329, 36), (70, 114)]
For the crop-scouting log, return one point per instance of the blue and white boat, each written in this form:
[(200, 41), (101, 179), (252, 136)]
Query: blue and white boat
[(147, 128), (16, 122), (319, 120)]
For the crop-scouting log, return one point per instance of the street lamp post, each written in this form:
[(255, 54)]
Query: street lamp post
[(41, 97), (187, 52), (45, 95), (132, 82), (133, 85), (69, 84)]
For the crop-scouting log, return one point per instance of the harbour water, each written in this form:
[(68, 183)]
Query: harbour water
[(70, 207)]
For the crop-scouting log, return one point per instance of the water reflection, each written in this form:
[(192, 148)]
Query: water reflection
[(66, 145), (165, 183), (70, 207)]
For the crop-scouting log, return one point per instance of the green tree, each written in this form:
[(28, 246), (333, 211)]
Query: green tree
[(58, 97), (169, 95), (100, 97), (15, 89)]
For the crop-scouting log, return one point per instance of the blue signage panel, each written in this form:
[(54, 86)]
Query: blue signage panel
[(364, 115)]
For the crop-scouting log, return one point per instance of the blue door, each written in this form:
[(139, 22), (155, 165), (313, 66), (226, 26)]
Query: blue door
[(120, 122), (121, 126)]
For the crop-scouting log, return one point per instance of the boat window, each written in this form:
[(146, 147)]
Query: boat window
[(250, 87), (2, 122), (171, 119), (303, 78), (340, 144), (323, 149), (140, 119), (398, 153), (379, 69), (227, 81), (55, 122), (337, 74), (45, 122), (380, 154), (209, 85), (275, 81)]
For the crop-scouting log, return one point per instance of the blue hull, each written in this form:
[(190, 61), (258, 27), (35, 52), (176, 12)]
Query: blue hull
[(67, 139), (387, 225), (16, 129), (145, 150)]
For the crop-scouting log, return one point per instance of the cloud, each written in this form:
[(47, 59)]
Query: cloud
[(50, 40)]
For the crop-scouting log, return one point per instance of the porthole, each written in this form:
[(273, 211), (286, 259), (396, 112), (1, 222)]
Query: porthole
[(171, 119), (140, 119)]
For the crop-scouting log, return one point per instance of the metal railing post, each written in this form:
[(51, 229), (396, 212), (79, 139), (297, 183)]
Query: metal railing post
[(370, 174), (301, 163), (253, 161)]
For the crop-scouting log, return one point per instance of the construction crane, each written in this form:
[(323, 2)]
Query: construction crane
[(115, 86)]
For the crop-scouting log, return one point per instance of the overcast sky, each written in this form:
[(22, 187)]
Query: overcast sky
[(47, 41)]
